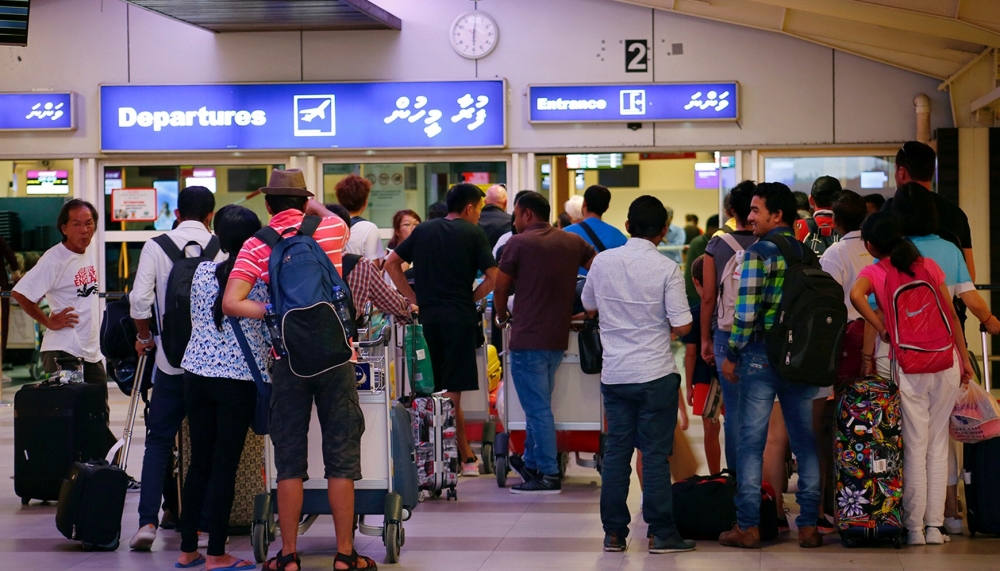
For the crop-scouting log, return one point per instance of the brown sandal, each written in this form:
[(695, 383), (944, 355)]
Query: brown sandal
[(279, 562), (352, 562)]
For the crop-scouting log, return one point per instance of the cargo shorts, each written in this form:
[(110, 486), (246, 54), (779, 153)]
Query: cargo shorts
[(336, 398)]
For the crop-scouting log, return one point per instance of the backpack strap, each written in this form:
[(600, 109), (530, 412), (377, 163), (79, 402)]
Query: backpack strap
[(593, 236), (268, 236), (247, 354), (211, 250), (732, 242), (786, 249), (350, 260), (169, 248), (309, 225)]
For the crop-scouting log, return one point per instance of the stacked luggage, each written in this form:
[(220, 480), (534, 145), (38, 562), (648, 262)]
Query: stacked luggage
[(869, 462), (981, 470), (55, 425), (434, 434)]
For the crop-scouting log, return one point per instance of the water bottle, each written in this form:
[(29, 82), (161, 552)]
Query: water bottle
[(344, 312), (271, 319)]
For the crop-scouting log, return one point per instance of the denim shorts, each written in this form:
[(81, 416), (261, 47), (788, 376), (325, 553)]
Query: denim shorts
[(340, 416)]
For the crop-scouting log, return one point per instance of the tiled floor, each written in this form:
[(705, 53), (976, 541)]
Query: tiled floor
[(488, 529)]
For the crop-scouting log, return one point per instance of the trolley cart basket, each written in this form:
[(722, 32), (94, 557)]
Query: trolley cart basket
[(383, 486), (576, 405)]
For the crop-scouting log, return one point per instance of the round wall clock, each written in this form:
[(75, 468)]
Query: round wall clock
[(474, 34)]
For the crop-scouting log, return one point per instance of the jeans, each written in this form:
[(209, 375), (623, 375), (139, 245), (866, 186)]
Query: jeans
[(534, 375), (166, 412), (759, 385), (730, 398), (649, 409), (219, 413)]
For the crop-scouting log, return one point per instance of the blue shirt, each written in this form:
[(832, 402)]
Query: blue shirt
[(949, 258), (610, 236), (675, 237)]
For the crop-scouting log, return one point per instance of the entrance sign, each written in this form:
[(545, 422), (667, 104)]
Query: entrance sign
[(631, 103), (273, 116), (133, 205), (38, 111)]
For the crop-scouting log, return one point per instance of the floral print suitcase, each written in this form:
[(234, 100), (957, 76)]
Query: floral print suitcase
[(869, 462)]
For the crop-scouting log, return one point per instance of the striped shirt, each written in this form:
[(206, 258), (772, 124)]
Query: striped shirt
[(366, 284), (761, 282), (252, 261)]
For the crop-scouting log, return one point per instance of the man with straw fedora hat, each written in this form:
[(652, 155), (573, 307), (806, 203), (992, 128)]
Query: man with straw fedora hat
[(290, 203)]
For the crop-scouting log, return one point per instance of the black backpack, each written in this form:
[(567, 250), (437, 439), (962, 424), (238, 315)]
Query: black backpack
[(804, 343), (175, 329), (118, 331), (820, 238)]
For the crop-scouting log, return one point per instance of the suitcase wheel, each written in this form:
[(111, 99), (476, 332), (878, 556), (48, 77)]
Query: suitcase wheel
[(452, 494), (897, 542), (24, 501)]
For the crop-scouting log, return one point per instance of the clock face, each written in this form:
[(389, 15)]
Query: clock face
[(474, 34)]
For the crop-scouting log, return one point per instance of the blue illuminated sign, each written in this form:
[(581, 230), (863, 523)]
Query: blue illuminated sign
[(634, 103), (272, 116), (38, 111)]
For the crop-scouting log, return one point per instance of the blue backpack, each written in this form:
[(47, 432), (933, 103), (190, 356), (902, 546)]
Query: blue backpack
[(302, 280)]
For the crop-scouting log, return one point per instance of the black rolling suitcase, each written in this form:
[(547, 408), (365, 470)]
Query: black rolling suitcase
[(92, 497), (981, 469), (404, 457), (56, 424)]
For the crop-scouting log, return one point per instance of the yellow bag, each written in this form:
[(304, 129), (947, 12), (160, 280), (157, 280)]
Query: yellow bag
[(492, 367)]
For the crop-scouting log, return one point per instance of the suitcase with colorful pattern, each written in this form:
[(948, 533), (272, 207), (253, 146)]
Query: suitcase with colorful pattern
[(869, 463), (434, 435)]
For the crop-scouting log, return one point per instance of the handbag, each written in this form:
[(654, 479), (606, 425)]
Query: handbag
[(263, 409), (713, 401), (591, 350), (418, 360)]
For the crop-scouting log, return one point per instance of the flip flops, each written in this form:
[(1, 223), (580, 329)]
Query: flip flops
[(241, 565), (196, 563)]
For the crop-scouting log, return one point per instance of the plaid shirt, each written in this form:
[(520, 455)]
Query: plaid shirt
[(366, 284), (761, 281)]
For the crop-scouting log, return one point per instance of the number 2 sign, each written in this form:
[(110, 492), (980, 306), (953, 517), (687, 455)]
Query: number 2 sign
[(636, 56)]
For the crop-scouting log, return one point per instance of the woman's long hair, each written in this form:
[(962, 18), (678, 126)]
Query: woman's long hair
[(234, 225), (883, 232), (397, 225)]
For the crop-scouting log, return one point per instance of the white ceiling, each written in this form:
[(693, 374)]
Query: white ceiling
[(937, 38)]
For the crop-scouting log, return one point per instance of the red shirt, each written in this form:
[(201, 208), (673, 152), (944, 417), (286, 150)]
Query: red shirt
[(252, 261)]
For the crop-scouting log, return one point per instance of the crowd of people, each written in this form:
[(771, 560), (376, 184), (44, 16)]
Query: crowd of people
[(720, 305)]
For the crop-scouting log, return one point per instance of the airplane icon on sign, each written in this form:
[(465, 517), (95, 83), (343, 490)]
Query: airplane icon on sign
[(309, 114)]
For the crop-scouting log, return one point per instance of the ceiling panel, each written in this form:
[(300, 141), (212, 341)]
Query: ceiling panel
[(275, 15)]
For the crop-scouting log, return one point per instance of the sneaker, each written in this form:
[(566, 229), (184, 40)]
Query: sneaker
[(545, 485), (144, 538), (673, 544), (470, 469), (809, 537), (783, 526), (738, 537), (133, 486), (824, 526), (614, 543), (933, 536), (916, 537), (953, 525), (527, 474)]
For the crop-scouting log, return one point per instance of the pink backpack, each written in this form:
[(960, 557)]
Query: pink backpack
[(917, 320)]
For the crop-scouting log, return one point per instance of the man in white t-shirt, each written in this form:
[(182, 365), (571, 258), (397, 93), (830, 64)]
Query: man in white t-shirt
[(66, 276), (352, 193)]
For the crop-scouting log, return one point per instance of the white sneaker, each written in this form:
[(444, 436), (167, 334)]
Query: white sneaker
[(916, 537), (470, 469), (935, 537), (144, 538), (953, 525)]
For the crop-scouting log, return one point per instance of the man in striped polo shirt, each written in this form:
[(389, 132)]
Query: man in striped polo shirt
[(334, 392)]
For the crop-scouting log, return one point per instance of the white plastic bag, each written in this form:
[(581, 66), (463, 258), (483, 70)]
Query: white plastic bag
[(976, 416), (501, 401)]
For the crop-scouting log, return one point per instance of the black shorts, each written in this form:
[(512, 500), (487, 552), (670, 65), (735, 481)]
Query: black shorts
[(453, 356), (339, 413)]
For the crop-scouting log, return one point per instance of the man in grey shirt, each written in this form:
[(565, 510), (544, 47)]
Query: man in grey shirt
[(641, 299)]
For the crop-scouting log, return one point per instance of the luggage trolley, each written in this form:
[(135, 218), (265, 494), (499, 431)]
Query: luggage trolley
[(383, 486), (576, 405), (480, 422)]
